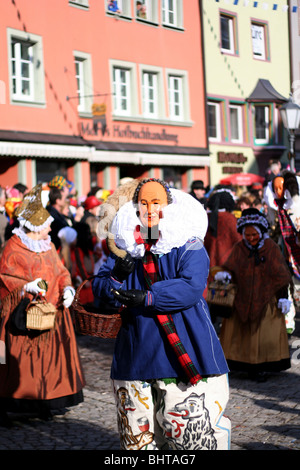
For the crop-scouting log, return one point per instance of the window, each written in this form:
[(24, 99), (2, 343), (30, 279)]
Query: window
[(120, 7), (22, 70), (236, 124), (261, 122), (150, 94), (153, 97), (227, 34), (214, 128), (146, 10), (259, 41), (172, 13), (178, 95), (80, 83), (175, 97), (83, 75), (124, 88), (26, 67), (121, 90)]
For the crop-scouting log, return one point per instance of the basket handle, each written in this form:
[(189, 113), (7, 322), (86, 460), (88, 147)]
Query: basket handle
[(35, 298), (113, 247), (76, 297)]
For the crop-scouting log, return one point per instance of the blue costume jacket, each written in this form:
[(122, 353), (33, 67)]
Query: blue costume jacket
[(142, 351)]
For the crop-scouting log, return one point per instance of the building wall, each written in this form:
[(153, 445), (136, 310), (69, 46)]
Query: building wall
[(63, 29)]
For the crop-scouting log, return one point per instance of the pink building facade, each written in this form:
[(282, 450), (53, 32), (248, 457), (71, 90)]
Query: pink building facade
[(97, 92)]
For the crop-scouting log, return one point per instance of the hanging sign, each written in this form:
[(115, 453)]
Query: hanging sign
[(99, 116)]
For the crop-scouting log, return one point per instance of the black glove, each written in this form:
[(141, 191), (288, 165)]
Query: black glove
[(130, 298), (123, 267)]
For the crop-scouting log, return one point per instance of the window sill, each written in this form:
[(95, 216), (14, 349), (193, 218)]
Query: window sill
[(162, 122), (33, 104), (144, 20), (78, 5), (122, 16), (173, 27)]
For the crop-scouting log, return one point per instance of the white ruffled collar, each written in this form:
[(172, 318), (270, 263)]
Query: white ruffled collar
[(269, 196), (183, 219), (38, 246)]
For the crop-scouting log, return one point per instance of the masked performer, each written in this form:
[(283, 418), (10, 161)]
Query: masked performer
[(42, 371), (254, 338), (169, 372), (282, 197)]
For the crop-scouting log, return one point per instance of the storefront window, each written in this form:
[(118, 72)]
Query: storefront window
[(172, 176), (47, 169)]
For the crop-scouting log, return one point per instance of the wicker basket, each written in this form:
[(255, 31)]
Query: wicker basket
[(40, 315), (89, 322), (221, 294)]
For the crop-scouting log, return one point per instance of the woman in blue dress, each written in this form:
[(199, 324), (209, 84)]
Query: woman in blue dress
[(169, 372)]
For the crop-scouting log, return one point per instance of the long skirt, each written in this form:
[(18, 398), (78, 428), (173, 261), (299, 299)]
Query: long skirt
[(40, 367), (158, 414), (254, 347)]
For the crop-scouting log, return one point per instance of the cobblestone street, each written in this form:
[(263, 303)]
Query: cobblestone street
[(264, 416)]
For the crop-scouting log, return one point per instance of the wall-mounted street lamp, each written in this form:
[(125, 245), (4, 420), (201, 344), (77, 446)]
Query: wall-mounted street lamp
[(290, 115)]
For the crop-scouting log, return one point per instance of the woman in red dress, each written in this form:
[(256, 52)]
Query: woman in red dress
[(42, 370)]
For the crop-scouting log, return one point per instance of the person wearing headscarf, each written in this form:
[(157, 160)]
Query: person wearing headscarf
[(254, 338), (42, 371), (169, 372)]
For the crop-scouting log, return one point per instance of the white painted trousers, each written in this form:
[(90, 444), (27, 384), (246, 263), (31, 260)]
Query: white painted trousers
[(153, 415)]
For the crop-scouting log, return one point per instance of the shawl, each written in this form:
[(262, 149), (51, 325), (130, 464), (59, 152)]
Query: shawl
[(219, 248), (256, 284), (151, 273), (19, 265)]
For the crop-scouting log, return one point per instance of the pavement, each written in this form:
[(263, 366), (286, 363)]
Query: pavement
[(264, 415)]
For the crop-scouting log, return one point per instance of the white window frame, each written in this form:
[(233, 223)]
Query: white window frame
[(216, 106), (172, 13), (258, 43), (230, 20), (18, 63), (127, 70), (181, 76), (238, 110), (265, 140), (36, 78), (121, 81), (84, 82), (175, 92), (150, 87)]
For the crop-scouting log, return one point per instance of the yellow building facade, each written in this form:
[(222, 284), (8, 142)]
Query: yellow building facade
[(247, 68)]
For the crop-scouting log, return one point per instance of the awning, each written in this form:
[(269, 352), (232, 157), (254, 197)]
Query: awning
[(139, 158), (27, 150), (265, 92), (33, 150)]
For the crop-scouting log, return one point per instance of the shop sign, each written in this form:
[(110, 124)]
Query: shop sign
[(99, 117), (118, 131), (231, 170), (231, 157)]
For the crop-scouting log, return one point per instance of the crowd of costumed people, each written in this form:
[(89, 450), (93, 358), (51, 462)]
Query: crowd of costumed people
[(175, 244)]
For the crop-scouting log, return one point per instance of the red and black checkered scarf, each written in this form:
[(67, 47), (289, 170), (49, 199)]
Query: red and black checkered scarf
[(289, 236), (151, 273)]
